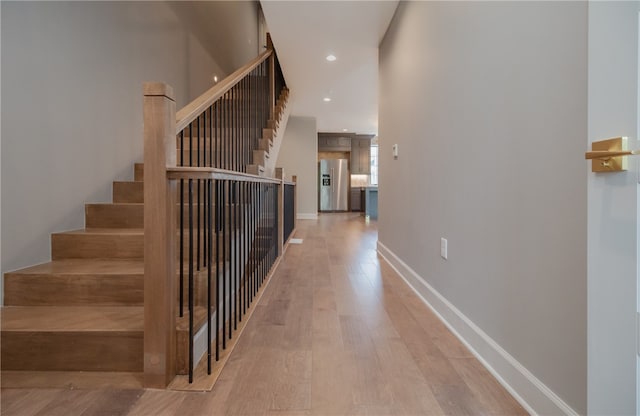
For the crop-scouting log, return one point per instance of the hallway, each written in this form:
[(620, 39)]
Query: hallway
[(337, 332)]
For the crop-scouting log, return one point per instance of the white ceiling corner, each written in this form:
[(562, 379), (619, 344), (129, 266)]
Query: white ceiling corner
[(305, 32)]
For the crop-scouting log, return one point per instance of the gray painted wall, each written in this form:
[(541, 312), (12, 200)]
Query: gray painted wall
[(299, 156), (72, 75), (613, 211), (488, 103)]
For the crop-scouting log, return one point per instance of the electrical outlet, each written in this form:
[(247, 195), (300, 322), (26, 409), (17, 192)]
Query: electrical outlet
[(443, 248)]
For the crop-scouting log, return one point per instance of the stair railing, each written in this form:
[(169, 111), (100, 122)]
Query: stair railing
[(207, 222)]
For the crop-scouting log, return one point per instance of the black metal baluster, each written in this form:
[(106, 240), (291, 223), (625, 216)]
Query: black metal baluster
[(239, 128), (234, 292), (239, 245), (205, 194), (191, 144), (244, 246), (209, 265), (254, 130), (228, 132), (250, 240), (211, 133), (217, 223), (243, 132), (198, 193), (218, 124), (260, 230), (190, 280), (256, 242), (181, 261), (236, 257), (224, 262), (223, 134), (230, 270), (234, 106)]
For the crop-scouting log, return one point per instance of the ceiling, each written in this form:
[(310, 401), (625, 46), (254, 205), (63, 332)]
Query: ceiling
[(305, 32)]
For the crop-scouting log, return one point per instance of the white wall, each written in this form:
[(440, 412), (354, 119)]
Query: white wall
[(613, 211), (488, 103), (299, 156), (72, 75)]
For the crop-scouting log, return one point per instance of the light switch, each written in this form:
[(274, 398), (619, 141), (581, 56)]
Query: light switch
[(395, 151), (443, 248)]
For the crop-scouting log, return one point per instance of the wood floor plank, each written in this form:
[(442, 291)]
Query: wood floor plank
[(488, 391), (25, 402), (112, 403), (69, 402), (410, 389), (159, 403)]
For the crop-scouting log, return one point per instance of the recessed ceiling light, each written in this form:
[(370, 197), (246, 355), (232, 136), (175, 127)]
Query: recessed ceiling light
[(331, 58), (344, 130), (326, 99)]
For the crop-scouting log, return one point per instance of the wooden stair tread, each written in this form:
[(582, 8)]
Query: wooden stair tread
[(104, 231), (86, 266), (94, 267), (73, 318)]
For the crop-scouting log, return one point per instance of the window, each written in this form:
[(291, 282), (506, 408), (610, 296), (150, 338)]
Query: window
[(374, 164)]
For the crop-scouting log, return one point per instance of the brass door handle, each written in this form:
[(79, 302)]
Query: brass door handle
[(609, 155)]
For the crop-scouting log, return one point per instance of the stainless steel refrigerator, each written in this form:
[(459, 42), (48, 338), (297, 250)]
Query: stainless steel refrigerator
[(334, 184)]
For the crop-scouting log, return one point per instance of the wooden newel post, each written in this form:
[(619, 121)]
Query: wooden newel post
[(159, 236)]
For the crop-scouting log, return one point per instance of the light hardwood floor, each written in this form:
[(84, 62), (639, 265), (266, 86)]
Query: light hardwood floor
[(337, 332)]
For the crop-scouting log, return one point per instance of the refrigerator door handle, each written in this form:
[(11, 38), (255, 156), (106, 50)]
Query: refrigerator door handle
[(333, 189)]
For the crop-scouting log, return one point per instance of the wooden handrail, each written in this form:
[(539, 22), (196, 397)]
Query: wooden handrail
[(187, 172), (192, 110)]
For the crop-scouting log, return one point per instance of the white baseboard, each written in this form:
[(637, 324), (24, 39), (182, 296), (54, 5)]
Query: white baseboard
[(530, 392), (303, 216)]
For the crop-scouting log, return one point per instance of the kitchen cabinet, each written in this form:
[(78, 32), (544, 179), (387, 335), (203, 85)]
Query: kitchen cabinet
[(334, 144), (361, 156), (356, 199)]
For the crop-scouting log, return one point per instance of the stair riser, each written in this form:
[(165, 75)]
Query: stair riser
[(72, 351), (128, 192), (81, 246), (114, 216), (73, 290), (133, 192), (260, 157), (107, 246), (132, 216)]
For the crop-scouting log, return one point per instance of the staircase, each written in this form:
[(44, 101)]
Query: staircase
[(79, 319), (83, 311)]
